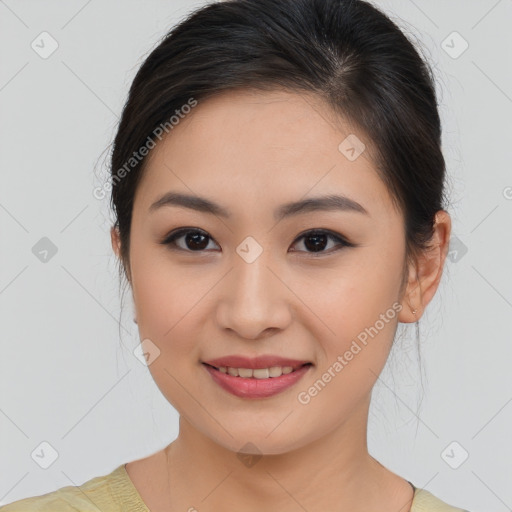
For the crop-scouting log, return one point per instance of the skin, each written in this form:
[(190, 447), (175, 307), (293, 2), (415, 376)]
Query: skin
[(251, 152)]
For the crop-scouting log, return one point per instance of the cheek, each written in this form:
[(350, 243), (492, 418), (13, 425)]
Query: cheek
[(360, 305), (361, 310), (168, 304), (166, 295)]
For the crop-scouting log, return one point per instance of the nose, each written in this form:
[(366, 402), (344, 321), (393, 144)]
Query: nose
[(254, 300)]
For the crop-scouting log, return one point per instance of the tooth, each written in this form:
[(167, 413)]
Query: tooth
[(261, 373), (232, 371), (257, 373), (275, 371), (244, 372)]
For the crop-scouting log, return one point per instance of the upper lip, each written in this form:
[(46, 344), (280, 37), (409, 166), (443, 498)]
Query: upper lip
[(263, 361)]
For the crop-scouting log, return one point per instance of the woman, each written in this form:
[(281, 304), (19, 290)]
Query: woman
[(278, 186)]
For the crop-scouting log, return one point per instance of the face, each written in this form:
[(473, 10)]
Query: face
[(314, 284)]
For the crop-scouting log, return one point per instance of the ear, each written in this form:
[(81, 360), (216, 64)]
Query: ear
[(116, 241), (426, 271), (115, 238)]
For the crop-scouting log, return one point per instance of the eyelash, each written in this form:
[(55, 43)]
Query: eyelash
[(173, 236)]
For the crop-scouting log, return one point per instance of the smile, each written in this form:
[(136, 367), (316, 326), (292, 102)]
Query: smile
[(256, 382)]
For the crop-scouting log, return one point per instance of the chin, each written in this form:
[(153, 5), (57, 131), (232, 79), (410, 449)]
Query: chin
[(259, 443)]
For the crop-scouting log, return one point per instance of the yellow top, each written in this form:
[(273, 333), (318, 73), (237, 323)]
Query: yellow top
[(115, 492)]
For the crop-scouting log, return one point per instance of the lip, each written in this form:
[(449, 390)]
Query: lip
[(256, 388), (263, 361)]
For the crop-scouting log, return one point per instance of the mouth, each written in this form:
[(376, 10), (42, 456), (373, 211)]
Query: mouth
[(256, 383), (270, 372)]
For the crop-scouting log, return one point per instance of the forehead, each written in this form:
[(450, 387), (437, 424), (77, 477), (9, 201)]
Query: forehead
[(257, 147)]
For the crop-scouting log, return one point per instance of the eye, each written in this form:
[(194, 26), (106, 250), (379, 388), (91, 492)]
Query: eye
[(196, 240), (317, 240)]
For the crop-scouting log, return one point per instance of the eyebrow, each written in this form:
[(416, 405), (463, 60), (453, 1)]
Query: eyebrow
[(202, 204)]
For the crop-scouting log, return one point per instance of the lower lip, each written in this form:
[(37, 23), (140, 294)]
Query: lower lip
[(256, 388)]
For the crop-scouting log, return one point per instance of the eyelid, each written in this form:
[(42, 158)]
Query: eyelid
[(323, 231)]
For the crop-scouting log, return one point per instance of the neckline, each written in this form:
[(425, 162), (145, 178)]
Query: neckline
[(134, 498), (139, 502)]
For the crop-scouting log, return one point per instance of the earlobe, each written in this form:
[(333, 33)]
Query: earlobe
[(411, 301), (425, 276)]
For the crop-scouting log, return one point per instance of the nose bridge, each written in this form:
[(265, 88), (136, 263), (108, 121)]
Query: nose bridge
[(252, 278), (251, 273), (253, 299)]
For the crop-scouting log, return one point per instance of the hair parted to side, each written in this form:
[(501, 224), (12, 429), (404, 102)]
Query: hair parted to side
[(347, 52)]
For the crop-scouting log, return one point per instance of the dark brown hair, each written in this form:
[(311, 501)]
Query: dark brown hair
[(347, 52)]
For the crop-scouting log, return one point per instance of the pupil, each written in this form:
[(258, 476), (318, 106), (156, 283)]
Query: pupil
[(316, 246), (196, 243)]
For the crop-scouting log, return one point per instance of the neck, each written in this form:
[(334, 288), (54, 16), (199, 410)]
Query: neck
[(332, 472)]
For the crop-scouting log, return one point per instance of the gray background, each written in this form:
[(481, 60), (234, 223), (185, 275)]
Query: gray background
[(69, 380)]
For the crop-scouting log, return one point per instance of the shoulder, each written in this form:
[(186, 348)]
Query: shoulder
[(425, 501), (100, 493)]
